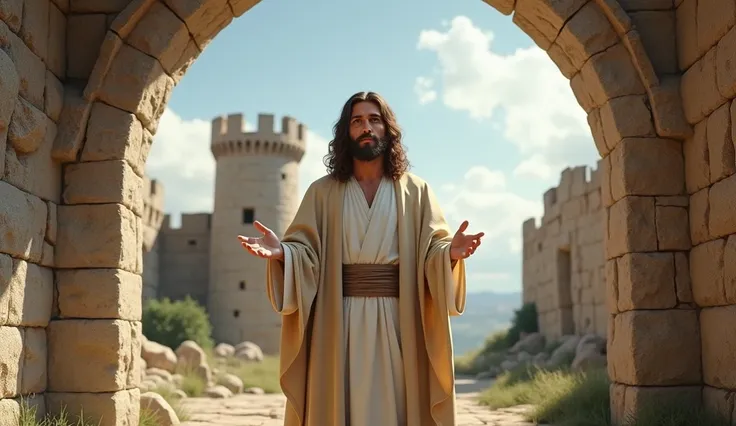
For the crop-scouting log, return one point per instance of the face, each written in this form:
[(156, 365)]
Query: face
[(367, 132)]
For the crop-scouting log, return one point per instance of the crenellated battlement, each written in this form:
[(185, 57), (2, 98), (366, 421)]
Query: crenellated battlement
[(190, 223), (229, 137), (574, 182)]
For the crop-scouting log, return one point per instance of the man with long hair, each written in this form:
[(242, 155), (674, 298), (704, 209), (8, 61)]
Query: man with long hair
[(365, 279)]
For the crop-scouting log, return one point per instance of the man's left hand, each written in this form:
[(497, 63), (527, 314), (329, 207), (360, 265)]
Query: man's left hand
[(463, 245)]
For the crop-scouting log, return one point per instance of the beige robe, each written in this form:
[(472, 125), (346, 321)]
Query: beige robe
[(388, 361)]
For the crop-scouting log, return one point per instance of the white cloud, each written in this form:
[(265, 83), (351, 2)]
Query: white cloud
[(483, 199), (540, 113), (180, 158)]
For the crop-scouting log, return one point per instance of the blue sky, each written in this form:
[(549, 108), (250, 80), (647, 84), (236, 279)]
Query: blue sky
[(488, 119)]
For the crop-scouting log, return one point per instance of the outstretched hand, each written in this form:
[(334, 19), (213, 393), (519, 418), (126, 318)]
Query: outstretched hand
[(268, 246), (464, 245)]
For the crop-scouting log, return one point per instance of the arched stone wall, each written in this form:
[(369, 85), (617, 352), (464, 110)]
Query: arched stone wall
[(80, 118)]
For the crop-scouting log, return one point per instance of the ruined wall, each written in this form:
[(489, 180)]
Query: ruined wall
[(33, 64), (257, 178), (153, 217), (184, 258), (564, 258), (706, 39)]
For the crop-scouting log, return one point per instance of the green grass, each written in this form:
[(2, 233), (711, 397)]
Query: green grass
[(565, 398), (264, 375)]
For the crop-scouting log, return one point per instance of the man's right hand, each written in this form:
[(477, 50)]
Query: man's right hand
[(268, 246)]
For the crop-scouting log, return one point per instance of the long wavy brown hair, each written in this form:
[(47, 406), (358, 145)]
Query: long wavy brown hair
[(339, 161)]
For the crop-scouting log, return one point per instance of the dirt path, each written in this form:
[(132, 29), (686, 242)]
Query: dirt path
[(267, 410)]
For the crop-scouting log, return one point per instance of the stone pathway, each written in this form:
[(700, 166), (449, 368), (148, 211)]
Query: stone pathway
[(267, 410)]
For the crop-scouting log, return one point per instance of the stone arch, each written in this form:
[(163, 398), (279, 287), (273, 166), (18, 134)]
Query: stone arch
[(620, 65)]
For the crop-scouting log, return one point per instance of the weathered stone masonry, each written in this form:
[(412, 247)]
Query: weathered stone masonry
[(84, 84), (564, 262)]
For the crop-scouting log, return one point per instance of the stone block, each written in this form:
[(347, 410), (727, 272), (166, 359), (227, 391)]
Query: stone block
[(632, 172), (22, 223), (699, 88), (28, 127), (103, 182), (682, 278), (673, 231), (29, 67), (699, 206), (725, 65), (629, 401), (626, 117), (56, 56), (542, 41), (686, 26), (720, 146), (729, 269), (26, 293), (99, 293), (631, 226), (697, 162), (11, 12), (596, 128), (138, 84), (641, 60), (10, 361), (722, 208), (36, 173), (658, 35), (102, 409), (204, 20), (547, 18), (714, 19), (48, 257), (612, 285), (96, 236), (54, 100), (85, 33), (610, 74), (646, 281), (706, 270), (97, 6), (91, 355), (72, 124), (34, 30), (563, 62), (161, 34), (718, 401), (719, 346), (587, 33), (114, 134), (642, 343), (33, 377), (191, 53), (51, 223)]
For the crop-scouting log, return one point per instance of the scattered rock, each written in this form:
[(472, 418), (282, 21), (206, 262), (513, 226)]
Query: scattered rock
[(165, 415)]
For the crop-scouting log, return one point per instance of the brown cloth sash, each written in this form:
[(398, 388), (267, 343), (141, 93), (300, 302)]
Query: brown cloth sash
[(369, 280)]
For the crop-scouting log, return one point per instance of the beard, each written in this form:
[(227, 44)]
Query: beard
[(368, 152)]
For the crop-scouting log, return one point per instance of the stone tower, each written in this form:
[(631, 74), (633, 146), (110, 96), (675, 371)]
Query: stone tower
[(256, 179)]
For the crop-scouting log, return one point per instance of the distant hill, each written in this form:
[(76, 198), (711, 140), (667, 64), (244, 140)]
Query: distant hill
[(485, 312)]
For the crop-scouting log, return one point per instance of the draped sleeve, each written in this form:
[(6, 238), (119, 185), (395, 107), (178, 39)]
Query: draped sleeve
[(292, 282), (446, 283)]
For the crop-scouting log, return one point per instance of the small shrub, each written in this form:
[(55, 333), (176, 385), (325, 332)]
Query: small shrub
[(171, 323), (192, 384), (29, 416), (525, 321)]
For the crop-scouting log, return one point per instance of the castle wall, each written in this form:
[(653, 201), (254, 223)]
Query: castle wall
[(184, 258), (256, 179), (153, 216), (564, 262)]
